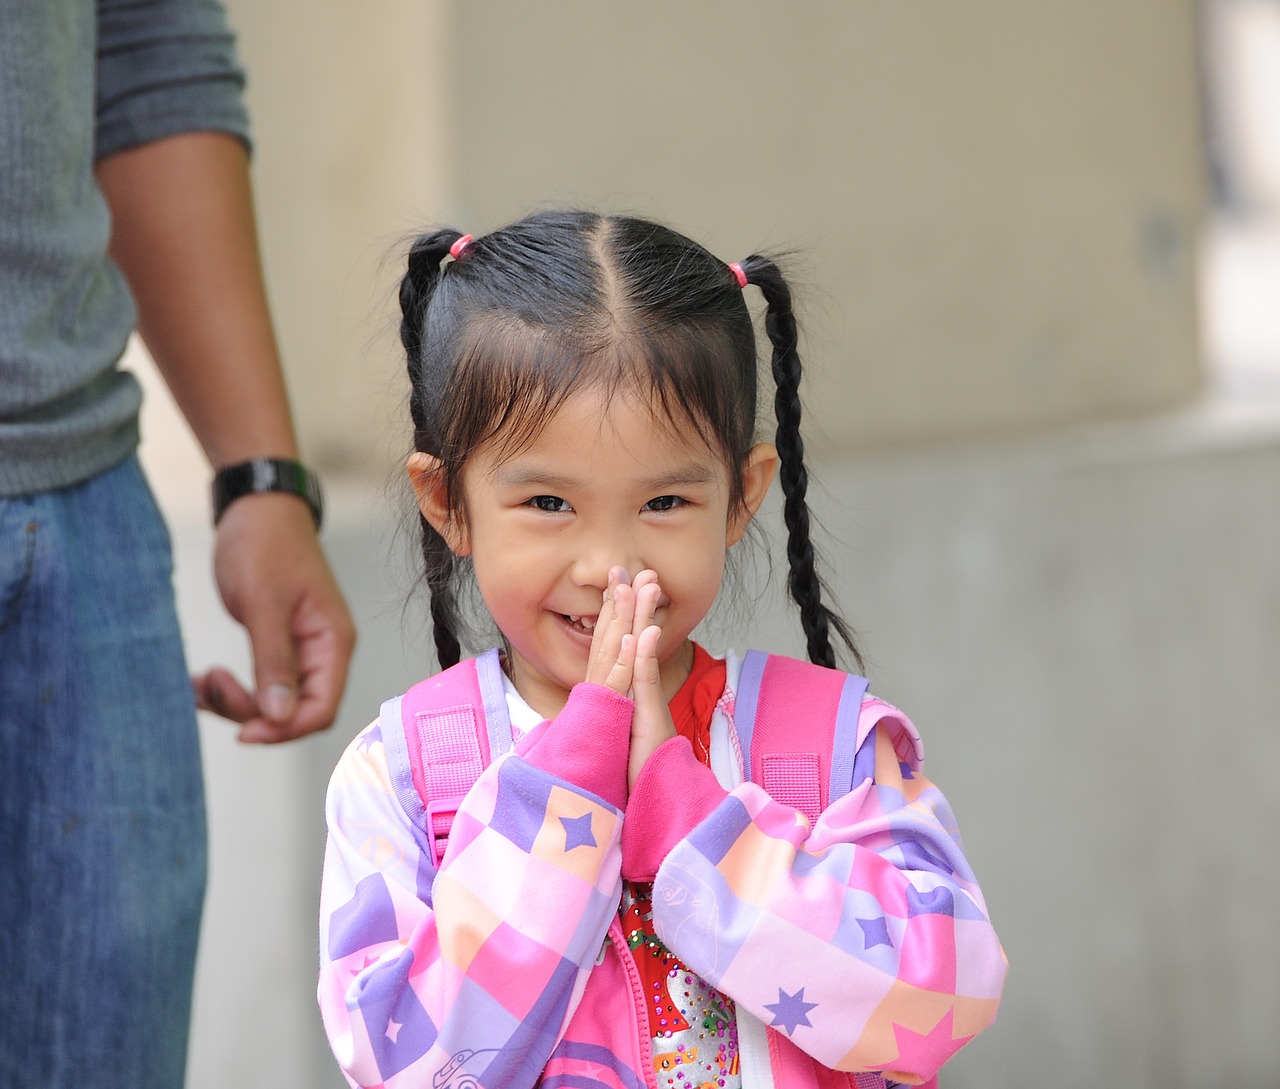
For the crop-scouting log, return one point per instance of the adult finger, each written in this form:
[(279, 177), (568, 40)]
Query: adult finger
[(217, 690), (324, 640), (269, 625)]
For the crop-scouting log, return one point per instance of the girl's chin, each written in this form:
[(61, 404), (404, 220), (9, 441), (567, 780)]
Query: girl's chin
[(546, 686)]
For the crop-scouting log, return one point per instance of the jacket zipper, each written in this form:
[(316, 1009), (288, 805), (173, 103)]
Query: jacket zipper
[(623, 952)]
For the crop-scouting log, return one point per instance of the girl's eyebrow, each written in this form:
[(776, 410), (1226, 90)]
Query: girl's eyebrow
[(694, 473), (682, 476), (531, 477)]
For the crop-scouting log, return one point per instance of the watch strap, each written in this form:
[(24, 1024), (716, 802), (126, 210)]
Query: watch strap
[(260, 475)]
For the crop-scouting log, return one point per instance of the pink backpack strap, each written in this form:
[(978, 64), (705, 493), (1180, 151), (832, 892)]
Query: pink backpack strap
[(797, 724), (450, 728)]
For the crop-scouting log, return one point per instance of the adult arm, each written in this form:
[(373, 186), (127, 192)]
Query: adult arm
[(183, 233)]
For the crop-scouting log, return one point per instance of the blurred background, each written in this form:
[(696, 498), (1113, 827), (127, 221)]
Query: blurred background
[(1038, 253)]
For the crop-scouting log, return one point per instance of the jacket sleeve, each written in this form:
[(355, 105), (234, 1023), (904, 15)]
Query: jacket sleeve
[(435, 978), (864, 940)]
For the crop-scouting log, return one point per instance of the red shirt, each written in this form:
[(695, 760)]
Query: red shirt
[(695, 1036)]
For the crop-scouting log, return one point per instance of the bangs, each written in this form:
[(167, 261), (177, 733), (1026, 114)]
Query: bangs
[(513, 376)]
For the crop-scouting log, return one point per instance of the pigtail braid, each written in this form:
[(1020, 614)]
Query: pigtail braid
[(444, 612), (804, 583), (417, 288)]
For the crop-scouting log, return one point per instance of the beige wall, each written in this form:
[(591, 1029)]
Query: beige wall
[(994, 204), (995, 201), (350, 153)]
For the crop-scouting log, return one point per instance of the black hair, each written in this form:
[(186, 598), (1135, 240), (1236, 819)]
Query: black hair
[(527, 315)]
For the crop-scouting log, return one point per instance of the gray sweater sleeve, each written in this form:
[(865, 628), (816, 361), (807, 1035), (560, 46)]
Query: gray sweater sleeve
[(165, 67), (80, 79)]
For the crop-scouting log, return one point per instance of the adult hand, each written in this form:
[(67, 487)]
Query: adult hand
[(274, 579)]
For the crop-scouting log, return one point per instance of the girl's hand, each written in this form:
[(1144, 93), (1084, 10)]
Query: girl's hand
[(613, 643), (624, 658), (651, 723)]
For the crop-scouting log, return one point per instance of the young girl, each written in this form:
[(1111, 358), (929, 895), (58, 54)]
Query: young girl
[(619, 905)]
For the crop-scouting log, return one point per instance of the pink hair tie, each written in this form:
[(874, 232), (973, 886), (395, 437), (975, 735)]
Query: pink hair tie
[(459, 247), (738, 274)]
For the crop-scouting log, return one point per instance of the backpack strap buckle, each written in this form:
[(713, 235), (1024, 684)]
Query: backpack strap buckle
[(439, 822)]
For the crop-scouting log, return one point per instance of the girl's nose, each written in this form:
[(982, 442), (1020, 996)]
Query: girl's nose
[(596, 558)]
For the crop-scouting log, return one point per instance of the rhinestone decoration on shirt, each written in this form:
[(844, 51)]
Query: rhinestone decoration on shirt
[(695, 1033)]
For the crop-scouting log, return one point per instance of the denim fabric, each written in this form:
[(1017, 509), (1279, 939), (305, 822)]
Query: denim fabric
[(102, 835)]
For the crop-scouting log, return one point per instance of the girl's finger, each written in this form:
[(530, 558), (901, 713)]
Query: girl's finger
[(651, 723), (621, 675), (647, 674), (617, 611), (648, 596), (644, 578)]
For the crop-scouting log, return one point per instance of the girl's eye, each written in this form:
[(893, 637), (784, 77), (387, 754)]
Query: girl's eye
[(664, 503), (552, 504)]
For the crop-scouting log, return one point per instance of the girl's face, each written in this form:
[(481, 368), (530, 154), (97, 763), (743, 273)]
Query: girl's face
[(604, 484)]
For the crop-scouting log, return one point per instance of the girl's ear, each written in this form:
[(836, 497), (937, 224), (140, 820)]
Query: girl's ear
[(426, 474), (757, 475)]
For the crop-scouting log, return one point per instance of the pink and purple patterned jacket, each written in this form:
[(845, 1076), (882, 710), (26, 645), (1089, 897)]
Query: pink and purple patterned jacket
[(856, 947)]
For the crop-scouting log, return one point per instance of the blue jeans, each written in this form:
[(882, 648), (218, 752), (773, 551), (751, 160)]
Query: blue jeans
[(102, 834)]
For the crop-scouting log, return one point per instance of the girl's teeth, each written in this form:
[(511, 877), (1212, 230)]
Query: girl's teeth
[(582, 622)]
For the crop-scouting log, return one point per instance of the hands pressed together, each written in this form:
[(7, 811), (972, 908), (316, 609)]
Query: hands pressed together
[(624, 658)]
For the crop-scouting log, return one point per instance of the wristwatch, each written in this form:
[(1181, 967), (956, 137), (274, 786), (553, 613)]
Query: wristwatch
[(267, 475)]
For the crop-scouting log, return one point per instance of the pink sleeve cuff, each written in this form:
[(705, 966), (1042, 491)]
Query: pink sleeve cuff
[(658, 816), (586, 743)]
